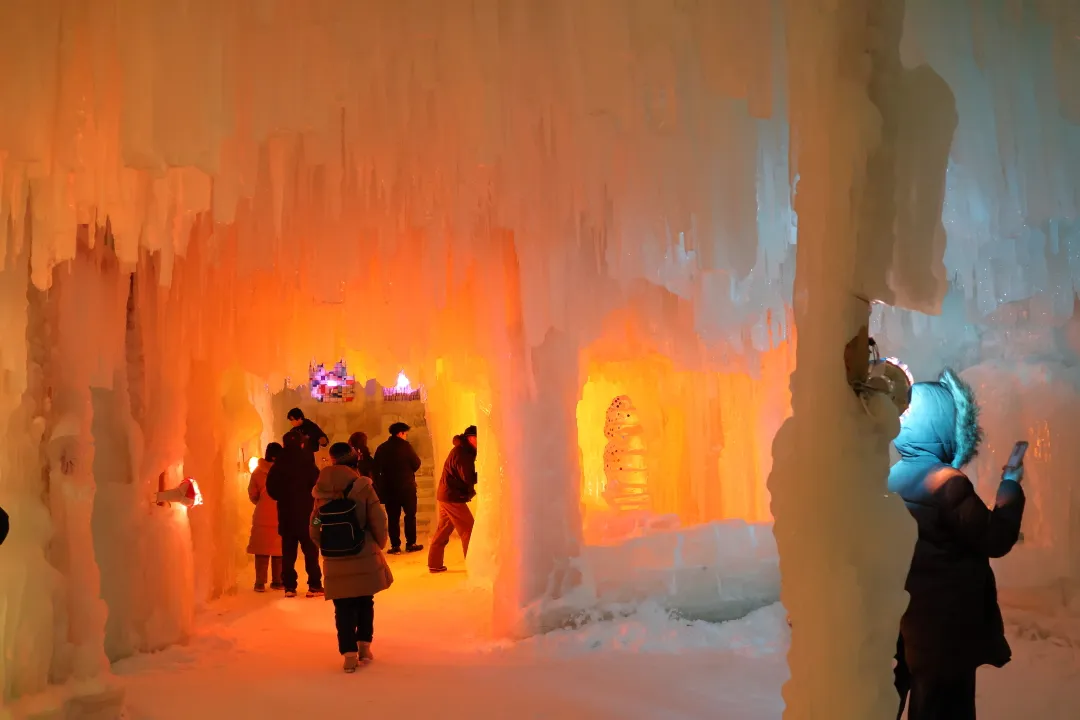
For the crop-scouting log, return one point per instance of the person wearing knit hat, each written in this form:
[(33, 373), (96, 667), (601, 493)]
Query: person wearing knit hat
[(395, 464), (457, 486)]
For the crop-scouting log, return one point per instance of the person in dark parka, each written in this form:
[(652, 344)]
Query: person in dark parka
[(290, 481), (395, 464), (457, 486), (314, 437), (953, 622)]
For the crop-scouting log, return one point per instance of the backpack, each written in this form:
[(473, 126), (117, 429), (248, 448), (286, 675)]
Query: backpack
[(340, 532)]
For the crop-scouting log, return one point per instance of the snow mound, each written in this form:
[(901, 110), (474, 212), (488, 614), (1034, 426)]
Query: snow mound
[(650, 628)]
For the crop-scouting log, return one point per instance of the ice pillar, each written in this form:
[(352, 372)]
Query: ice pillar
[(542, 499), (844, 544), (72, 484)]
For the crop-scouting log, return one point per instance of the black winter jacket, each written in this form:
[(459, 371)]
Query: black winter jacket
[(290, 482), (365, 464), (316, 438), (953, 621), (395, 465)]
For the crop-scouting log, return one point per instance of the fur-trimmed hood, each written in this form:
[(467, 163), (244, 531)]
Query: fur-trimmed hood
[(942, 422)]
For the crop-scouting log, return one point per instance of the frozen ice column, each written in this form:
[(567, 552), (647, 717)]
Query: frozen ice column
[(541, 528), (80, 652), (627, 486), (844, 543)]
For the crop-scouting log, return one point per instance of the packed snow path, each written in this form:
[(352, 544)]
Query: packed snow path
[(266, 656)]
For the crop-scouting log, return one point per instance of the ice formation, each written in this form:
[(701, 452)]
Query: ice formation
[(627, 477), (520, 200)]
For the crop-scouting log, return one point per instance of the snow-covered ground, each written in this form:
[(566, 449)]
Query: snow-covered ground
[(265, 656)]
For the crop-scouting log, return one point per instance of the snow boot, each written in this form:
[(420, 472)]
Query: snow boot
[(276, 586), (315, 592), (413, 548), (259, 587), (440, 569), (394, 551), (352, 661), (290, 593), (365, 652)]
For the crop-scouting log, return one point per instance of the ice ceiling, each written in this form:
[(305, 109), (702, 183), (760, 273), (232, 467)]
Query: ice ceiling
[(484, 190), (307, 143)]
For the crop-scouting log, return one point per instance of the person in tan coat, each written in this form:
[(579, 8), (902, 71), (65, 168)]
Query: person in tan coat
[(351, 582), (264, 542)]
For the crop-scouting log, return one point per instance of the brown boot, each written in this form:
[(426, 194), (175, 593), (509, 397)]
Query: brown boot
[(365, 652), (351, 662)]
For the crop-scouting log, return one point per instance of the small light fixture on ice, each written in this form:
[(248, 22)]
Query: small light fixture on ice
[(252, 463), (870, 375), (890, 377), (402, 390), (186, 493)]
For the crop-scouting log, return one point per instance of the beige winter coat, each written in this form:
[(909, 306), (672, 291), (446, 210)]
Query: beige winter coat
[(264, 538), (368, 572)]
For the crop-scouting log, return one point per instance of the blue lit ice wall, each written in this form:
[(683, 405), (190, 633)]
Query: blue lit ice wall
[(1013, 181), (1008, 229)]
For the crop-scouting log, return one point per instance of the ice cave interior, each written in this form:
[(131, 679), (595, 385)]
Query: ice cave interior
[(628, 239)]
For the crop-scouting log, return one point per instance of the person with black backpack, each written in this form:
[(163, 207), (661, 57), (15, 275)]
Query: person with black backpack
[(349, 526)]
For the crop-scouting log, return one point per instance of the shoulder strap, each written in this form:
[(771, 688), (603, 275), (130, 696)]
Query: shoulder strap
[(348, 489)]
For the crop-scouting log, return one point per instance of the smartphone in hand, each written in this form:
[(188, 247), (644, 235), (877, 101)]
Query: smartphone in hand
[(1016, 462), (1016, 458)]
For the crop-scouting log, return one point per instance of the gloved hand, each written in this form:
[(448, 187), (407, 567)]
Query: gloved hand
[(1010, 473)]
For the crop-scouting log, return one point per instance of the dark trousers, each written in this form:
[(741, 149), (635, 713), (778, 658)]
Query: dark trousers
[(934, 696), (394, 508), (288, 561), (261, 563), (355, 621), (452, 516)]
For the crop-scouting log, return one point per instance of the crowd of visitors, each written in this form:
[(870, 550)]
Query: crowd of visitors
[(349, 512)]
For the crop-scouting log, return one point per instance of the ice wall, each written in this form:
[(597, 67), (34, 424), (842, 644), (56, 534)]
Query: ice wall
[(844, 542), (471, 190), (1010, 220)]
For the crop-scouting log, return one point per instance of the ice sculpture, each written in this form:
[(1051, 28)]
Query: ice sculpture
[(627, 487)]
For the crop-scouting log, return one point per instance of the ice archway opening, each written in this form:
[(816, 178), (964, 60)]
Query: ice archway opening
[(197, 198)]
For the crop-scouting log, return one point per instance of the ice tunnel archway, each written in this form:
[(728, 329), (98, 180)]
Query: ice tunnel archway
[(473, 195)]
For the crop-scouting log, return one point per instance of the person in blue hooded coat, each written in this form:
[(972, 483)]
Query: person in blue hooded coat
[(953, 622)]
